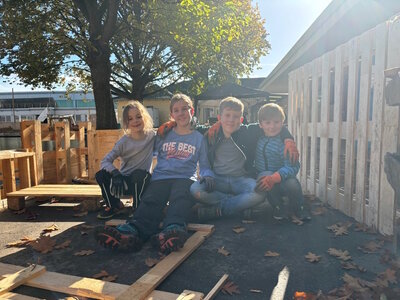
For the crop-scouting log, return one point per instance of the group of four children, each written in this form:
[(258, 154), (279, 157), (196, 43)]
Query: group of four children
[(229, 155)]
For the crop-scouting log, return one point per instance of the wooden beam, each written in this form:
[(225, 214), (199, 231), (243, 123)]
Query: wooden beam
[(214, 291), (148, 282), (279, 290), (20, 277), (190, 295), (13, 296)]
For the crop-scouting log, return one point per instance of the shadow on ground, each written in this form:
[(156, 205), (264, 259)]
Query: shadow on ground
[(246, 265)]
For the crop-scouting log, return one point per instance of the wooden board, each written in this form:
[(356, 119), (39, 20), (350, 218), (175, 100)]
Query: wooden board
[(214, 291), (13, 296), (20, 277), (66, 190)]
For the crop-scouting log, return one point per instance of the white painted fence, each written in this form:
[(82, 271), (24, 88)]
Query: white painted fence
[(343, 127)]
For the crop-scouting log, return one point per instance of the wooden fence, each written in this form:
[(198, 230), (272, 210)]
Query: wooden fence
[(343, 126)]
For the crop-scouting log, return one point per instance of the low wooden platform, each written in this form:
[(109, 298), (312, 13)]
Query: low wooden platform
[(16, 200)]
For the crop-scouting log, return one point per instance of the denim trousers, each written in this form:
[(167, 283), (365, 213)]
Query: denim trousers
[(232, 194)]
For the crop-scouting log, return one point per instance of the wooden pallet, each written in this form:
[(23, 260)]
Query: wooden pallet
[(16, 200), (142, 289)]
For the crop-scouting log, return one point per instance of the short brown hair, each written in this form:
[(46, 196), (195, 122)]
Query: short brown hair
[(178, 97), (148, 121), (269, 111), (232, 103)]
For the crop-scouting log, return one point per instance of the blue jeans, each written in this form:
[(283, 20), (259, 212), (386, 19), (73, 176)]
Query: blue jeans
[(232, 194)]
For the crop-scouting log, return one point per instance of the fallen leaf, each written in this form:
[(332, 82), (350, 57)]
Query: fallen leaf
[(151, 262), (319, 211), (361, 227), (348, 265), (371, 247), (352, 282), (43, 244), (223, 251), (26, 240), (110, 278), (342, 255), (255, 291), (230, 288), (339, 228), (84, 252), (103, 273), (389, 275), (297, 221), (63, 245), (311, 257), (51, 228), (81, 214), (271, 254), (248, 221), (238, 229)]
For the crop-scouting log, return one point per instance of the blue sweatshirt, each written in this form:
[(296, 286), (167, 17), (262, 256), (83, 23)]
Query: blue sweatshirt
[(178, 156), (269, 157)]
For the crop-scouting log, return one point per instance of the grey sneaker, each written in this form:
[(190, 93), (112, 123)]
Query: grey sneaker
[(303, 214), (279, 213)]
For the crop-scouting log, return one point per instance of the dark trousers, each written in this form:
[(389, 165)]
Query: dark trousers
[(149, 214), (290, 188), (137, 182)]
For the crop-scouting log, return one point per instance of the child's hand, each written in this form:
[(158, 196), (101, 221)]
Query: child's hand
[(291, 150), (209, 182), (117, 185), (165, 128), (213, 132), (266, 183)]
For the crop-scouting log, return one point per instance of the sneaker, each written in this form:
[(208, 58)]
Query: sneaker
[(170, 239), (279, 213), (303, 214), (109, 213), (209, 212), (124, 240)]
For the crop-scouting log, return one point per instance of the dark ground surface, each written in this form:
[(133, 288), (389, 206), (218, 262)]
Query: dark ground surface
[(246, 265)]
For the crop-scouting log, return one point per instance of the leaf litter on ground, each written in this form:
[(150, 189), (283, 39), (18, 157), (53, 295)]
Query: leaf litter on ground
[(223, 251), (311, 257), (230, 288), (239, 229), (26, 240), (271, 254), (339, 228), (84, 253), (151, 262), (371, 247), (49, 229), (63, 245), (342, 255), (43, 244)]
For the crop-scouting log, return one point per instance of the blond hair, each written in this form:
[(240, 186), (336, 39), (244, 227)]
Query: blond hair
[(269, 111), (232, 103), (147, 120), (180, 97)]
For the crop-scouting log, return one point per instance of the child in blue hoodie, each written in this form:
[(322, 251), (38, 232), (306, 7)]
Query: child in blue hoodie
[(179, 151)]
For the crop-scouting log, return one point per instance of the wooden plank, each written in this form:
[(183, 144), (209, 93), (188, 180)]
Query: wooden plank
[(20, 277), (190, 295), (279, 290), (60, 204), (190, 227), (13, 296), (38, 150), (372, 214), (8, 169), (148, 282), (336, 126), (92, 151), (33, 170), (24, 172), (362, 128), (218, 286), (323, 157), (389, 135), (350, 124)]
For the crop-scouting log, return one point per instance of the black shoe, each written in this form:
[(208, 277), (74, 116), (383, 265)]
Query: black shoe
[(171, 238), (303, 214), (110, 237), (279, 213), (205, 213), (109, 213)]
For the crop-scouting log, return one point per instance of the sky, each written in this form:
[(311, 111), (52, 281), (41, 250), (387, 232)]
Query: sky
[(286, 21)]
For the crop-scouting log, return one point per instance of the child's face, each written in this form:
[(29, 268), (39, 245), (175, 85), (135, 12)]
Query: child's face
[(181, 113), (272, 127), (230, 120), (135, 121)]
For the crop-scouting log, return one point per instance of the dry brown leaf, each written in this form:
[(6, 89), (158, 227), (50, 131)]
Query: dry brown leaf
[(110, 278), (311, 257), (271, 254), (339, 228), (26, 240), (389, 275), (248, 221), (371, 247), (352, 282), (361, 227), (151, 262), (297, 221), (51, 228), (81, 214), (43, 244), (230, 288), (238, 229), (84, 252), (342, 255), (255, 291), (63, 245), (348, 265), (319, 211), (223, 251), (103, 273)]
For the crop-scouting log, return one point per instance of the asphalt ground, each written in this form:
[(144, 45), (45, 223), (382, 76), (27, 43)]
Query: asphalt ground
[(246, 264)]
